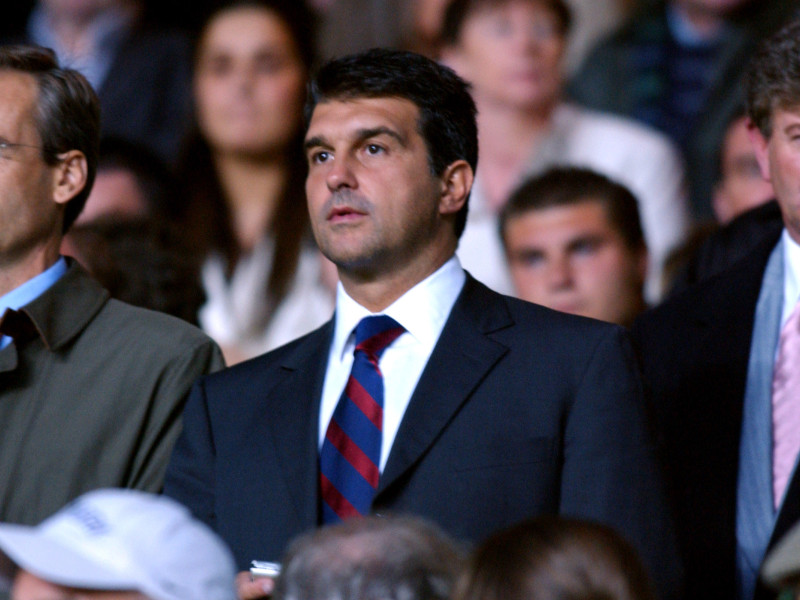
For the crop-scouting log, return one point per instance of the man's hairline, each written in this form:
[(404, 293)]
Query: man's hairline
[(590, 198)]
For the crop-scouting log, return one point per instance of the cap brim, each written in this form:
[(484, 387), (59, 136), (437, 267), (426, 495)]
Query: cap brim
[(55, 562)]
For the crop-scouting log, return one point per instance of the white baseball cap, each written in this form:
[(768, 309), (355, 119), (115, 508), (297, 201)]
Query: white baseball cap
[(114, 539)]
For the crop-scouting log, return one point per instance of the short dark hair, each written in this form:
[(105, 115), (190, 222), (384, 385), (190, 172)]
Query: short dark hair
[(772, 78), (389, 557), (568, 186), (447, 111), (67, 114), (555, 558), (458, 11)]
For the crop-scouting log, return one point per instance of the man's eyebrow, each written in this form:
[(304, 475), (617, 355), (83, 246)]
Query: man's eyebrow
[(313, 142), (360, 136), (365, 134)]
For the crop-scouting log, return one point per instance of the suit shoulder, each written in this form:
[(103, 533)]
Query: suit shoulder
[(539, 325), (141, 325), (263, 366)]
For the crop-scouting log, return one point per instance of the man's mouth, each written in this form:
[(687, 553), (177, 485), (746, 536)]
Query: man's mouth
[(339, 214)]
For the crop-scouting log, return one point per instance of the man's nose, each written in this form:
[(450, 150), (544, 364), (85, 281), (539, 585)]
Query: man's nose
[(559, 272), (341, 174)]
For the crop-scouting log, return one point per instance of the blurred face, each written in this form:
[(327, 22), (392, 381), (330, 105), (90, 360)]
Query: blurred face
[(374, 204), (779, 161), (571, 259), (29, 587), (249, 82), (742, 187), (30, 216), (115, 193), (511, 53)]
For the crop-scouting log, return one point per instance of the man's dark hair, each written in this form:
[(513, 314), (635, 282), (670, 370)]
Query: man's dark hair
[(67, 113), (568, 186), (446, 109), (554, 558), (772, 79), (374, 558), (458, 11)]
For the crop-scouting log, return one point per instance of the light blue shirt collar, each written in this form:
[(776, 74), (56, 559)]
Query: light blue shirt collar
[(30, 291)]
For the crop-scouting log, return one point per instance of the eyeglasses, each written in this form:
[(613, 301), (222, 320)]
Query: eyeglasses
[(7, 147)]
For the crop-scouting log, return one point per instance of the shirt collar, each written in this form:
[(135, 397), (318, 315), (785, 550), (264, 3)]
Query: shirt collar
[(33, 288), (30, 291), (422, 310), (791, 257)]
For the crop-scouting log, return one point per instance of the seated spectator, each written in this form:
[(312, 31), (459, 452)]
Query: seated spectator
[(511, 52), (140, 70), (387, 558), (243, 175), (144, 262), (131, 183), (114, 544), (574, 243), (676, 65), (740, 186), (126, 238), (551, 558)]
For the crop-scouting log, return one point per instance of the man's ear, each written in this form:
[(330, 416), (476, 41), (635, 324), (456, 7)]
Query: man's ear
[(761, 148), (456, 184), (70, 176)]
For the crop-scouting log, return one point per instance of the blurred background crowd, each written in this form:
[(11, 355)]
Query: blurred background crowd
[(198, 209)]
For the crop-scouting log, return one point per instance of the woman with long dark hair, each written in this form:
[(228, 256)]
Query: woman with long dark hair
[(243, 172)]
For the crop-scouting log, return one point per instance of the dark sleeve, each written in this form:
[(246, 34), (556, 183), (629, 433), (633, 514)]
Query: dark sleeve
[(610, 472), (190, 475), (167, 402)]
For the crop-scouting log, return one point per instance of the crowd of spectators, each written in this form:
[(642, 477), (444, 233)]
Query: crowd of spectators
[(637, 165)]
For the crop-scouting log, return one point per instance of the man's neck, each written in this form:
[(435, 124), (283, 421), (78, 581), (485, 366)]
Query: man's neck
[(14, 274), (375, 292)]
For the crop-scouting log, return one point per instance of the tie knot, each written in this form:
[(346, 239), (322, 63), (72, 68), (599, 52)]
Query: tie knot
[(374, 334)]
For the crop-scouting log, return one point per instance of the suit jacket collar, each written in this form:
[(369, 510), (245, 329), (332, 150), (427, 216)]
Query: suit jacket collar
[(293, 409), (60, 314), (461, 358)]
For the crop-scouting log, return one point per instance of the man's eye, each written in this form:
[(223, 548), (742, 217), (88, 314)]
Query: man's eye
[(319, 157), (374, 149), (586, 247)]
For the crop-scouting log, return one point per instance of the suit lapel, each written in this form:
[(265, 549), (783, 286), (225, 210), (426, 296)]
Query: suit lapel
[(293, 409), (460, 360)]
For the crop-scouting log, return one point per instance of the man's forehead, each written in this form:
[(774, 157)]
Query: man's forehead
[(786, 115), (18, 94), (352, 114)]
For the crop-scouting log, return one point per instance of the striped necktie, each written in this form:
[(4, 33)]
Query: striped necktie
[(351, 452)]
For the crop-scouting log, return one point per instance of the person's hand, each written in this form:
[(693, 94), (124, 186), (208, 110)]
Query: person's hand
[(248, 588)]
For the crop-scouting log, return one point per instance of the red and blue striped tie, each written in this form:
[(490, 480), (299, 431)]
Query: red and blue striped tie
[(350, 455)]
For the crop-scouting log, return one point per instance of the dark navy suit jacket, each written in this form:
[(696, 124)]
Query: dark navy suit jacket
[(695, 351), (520, 411)]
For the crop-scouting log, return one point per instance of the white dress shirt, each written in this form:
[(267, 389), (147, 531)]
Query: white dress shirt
[(791, 276), (422, 311)]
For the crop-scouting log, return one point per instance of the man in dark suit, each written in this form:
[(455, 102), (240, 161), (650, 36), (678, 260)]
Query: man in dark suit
[(713, 358), (495, 409)]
